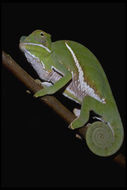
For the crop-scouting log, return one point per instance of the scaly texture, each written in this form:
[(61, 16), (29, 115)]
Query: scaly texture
[(100, 139)]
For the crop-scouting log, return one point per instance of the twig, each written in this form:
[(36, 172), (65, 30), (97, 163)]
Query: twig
[(51, 101)]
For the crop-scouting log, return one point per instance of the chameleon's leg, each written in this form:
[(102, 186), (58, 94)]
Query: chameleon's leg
[(55, 87), (76, 112), (88, 104)]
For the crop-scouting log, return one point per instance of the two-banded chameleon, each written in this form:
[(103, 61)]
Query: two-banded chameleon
[(69, 65)]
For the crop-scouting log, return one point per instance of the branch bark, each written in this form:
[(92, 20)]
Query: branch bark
[(51, 101)]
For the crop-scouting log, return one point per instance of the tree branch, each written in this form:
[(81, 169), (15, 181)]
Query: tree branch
[(51, 101)]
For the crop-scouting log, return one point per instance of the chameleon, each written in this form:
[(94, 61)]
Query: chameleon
[(72, 67)]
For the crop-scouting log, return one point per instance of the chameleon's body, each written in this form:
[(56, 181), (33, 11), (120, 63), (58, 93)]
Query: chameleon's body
[(70, 65)]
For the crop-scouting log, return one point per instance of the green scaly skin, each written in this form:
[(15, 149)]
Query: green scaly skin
[(103, 137)]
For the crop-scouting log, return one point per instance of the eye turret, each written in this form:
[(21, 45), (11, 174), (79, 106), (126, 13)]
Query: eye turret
[(41, 34)]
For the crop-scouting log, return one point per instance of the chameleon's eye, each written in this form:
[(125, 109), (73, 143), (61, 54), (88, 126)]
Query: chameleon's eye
[(41, 34), (42, 40)]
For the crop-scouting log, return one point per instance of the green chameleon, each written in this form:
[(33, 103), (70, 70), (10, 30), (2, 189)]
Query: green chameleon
[(70, 65)]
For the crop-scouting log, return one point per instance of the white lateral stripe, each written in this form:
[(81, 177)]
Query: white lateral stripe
[(84, 85), (40, 45)]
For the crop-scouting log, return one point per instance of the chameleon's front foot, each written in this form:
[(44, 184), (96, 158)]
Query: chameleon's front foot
[(41, 92)]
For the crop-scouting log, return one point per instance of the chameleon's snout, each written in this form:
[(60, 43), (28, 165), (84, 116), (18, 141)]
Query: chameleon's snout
[(22, 38), (21, 46)]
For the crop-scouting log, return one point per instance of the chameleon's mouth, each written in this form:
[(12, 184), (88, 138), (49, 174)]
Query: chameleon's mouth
[(21, 46)]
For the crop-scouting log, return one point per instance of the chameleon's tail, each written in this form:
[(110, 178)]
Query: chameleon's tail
[(101, 140)]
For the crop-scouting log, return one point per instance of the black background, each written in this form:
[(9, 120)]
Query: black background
[(37, 148)]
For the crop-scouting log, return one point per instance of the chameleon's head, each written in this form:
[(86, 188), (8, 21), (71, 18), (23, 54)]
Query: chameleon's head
[(38, 42)]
